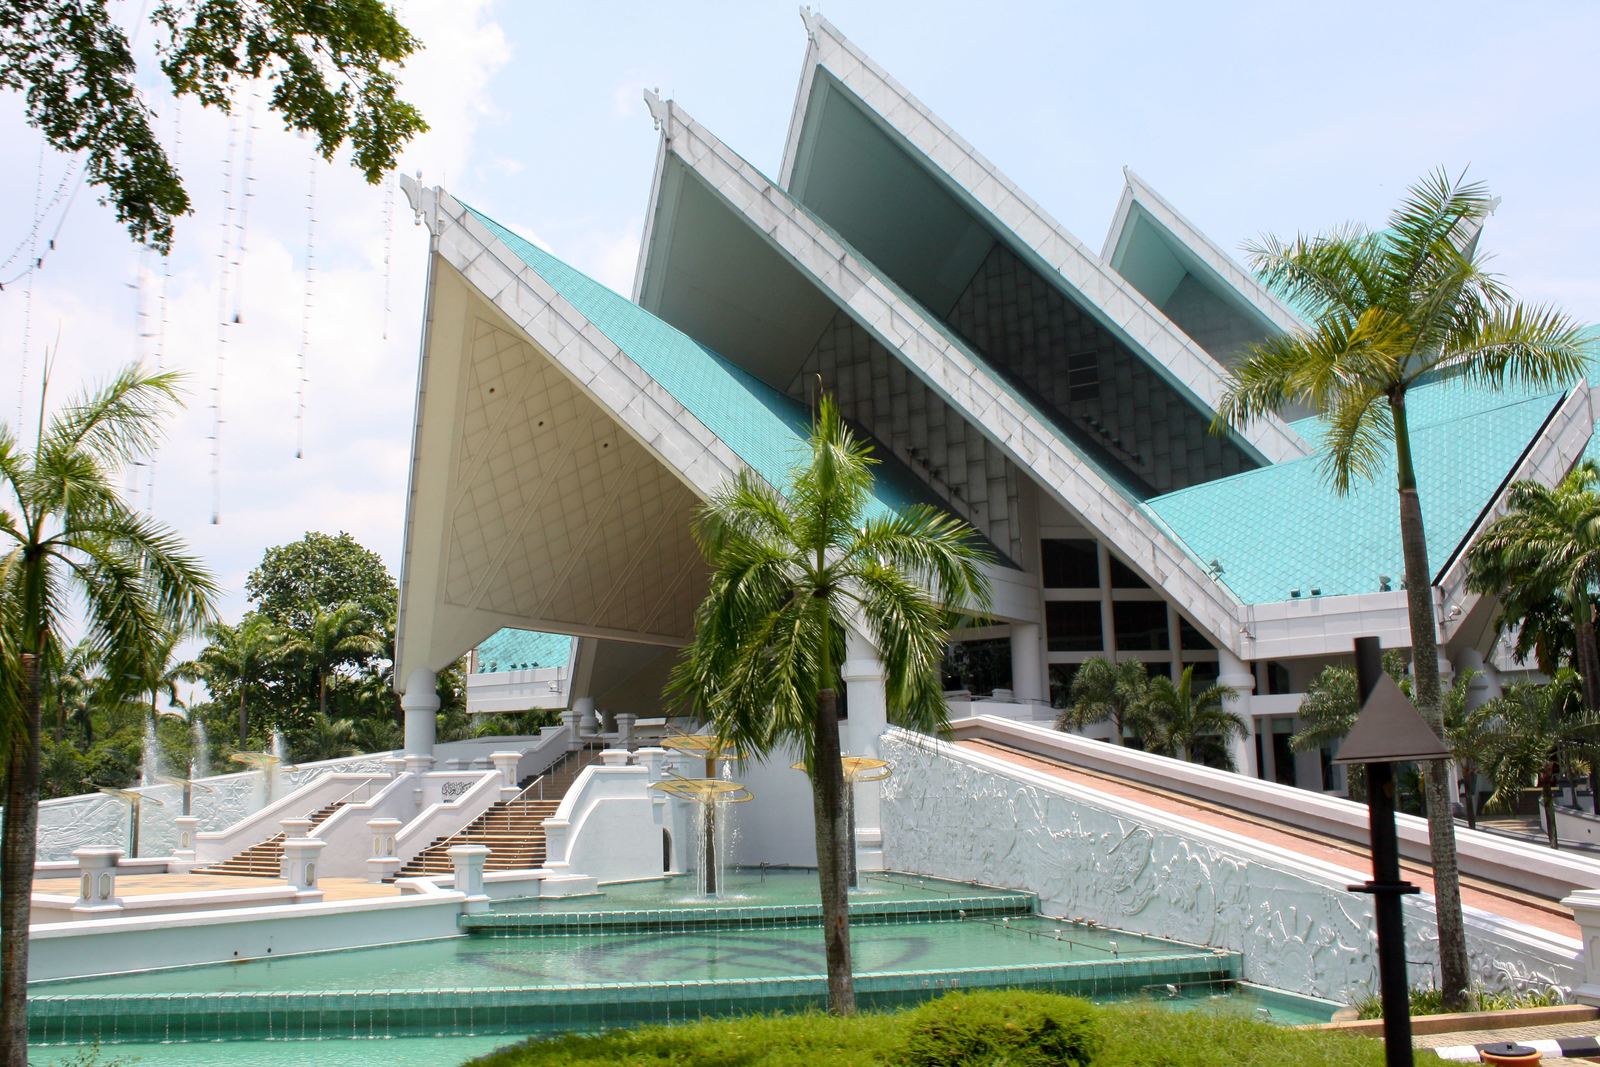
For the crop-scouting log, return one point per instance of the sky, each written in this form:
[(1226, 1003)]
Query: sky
[(1249, 118)]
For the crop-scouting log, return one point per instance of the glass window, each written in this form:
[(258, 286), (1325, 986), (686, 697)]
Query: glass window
[(1141, 626), (1061, 675), (1074, 626), (1070, 564), (979, 667), (1122, 576), (1190, 639), (1205, 675)]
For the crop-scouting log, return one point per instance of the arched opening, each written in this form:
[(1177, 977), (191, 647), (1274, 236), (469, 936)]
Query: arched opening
[(666, 851)]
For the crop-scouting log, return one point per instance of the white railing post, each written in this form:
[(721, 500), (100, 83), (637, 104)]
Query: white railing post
[(383, 862), (468, 861), (506, 764), (1585, 905), (183, 857), (300, 856), (97, 880)]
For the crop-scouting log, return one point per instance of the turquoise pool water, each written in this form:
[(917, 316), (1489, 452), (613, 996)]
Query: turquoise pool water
[(632, 954)]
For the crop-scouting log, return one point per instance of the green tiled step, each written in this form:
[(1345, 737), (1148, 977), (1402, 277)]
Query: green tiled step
[(743, 917), (182, 1017)]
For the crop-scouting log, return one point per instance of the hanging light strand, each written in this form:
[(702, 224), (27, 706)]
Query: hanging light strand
[(305, 312), (224, 303), (388, 248), (27, 296), (160, 346)]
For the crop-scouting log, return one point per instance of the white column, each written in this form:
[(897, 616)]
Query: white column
[(183, 856), (97, 879), (468, 861), (1236, 674), (858, 736), (421, 704), (506, 764), (1027, 665), (300, 856), (588, 721), (624, 721), (383, 862)]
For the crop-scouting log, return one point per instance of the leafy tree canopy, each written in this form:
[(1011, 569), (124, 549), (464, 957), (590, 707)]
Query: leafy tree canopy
[(331, 65), (317, 574)]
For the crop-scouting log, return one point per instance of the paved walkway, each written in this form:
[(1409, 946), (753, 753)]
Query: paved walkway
[(1517, 1033), (1504, 901), (135, 885)]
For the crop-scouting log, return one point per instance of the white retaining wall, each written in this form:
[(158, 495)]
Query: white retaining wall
[(955, 813)]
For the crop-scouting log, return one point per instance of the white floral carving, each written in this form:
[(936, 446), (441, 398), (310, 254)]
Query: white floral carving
[(1296, 929)]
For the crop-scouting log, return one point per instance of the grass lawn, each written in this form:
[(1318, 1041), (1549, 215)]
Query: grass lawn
[(996, 1032)]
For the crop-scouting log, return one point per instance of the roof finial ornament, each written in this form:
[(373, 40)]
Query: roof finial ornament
[(660, 110), (812, 19)]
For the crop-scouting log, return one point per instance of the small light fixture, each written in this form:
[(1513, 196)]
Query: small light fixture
[(1295, 593), (1316, 590), (1215, 569), (1383, 583), (1244, 632)]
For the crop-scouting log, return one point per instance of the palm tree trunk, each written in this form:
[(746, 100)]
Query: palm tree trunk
[(1547, 796), (1455, 976), (18, 849), (1468, 773), (244, 720), (827, 796)]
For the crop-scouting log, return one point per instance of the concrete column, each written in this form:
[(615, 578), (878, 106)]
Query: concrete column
[(506, 764), (421, 704), (572, 718), (1235, 673), (869, 718), (615, 757), (295, 827), (654, 761), (1486, 685), (383, 862), (625, 721), (588, 721), (468, 861), (183, 856), (97, 879), (1027, 664), (417, 763), (300, 855)]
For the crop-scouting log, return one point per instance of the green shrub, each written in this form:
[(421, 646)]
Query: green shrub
[(995, 1027), (1425, 1000)]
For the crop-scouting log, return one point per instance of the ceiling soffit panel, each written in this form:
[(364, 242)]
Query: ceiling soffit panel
[(966, 173), (557, 514)]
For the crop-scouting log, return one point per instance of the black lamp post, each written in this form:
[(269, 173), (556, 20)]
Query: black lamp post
[(1389, 730)]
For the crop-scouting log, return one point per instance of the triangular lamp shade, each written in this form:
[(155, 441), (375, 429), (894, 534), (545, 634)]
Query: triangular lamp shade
[(1390, 730)]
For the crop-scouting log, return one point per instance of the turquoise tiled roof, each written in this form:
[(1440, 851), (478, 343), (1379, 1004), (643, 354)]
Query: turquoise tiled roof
[(763, 427), (1282, 527), (521, 650)]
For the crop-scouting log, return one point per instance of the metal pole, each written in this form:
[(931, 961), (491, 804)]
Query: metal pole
[(1386, 887)]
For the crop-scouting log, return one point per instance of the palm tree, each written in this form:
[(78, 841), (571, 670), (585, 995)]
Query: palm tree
[(336, 637), (1541, 560), (72, 546), (325, 738), (237, 657), (791, 573), (1526, 732), (1387, 310), (1104, 690), (1467, 736), (1176, 721), (75, 692)]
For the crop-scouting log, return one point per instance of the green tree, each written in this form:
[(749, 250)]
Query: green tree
[(1541, 561), (236, 660), (1104, 690), (791, 573), (1387, 310), (70, 542), (320, 572), (323, 738), (1467, 736), (1174, 720), (335, 638), (1526, 733), (331, 67)]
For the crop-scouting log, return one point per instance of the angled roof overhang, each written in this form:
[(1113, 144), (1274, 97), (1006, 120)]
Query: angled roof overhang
[(1152, 245), (840, 80), (929, 350)]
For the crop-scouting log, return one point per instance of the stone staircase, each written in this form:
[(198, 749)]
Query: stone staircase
[(265, 859), (513, 829)]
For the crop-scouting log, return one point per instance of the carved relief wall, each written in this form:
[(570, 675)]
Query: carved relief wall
[(1298, 929)]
